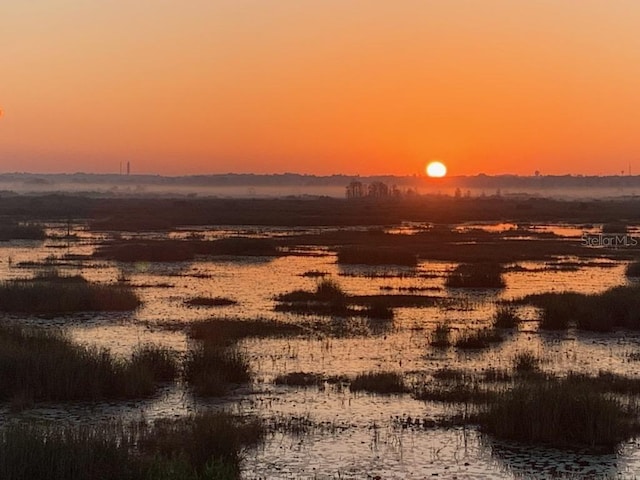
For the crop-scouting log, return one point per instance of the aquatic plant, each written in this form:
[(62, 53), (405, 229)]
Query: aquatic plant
[(478, 339), (210, 302), (526, 362), (224, 331), (211, 370), (43, 365), (505, 316), (51, 293), (205, 446), (366, 255), (633, 269), (559, 412), (441, 336), (301, 379), (378, 382), (476, 275)]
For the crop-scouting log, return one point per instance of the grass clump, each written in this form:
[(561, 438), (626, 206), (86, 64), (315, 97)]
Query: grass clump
[(505, 316), (476, 275), (478, 339), (210, 302), (364, 255), (378, 382), (441, 336), (38, 365), (206, 446), (633, 269), (526, 362), (228, 331), (160, 361), (21, 231), (212, 370), (559, 413), (300, 379), (618, 307), (51, 293)]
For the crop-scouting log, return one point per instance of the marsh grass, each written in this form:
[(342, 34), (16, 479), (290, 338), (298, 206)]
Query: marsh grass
[(228, 331), (37, 365), (379, 382), (212, 370), (561, 413), (441, 336), (51, 293), (478, 339), (300, 379), (475, 275), (21, 231), (633, 269), (162, 362), (526, 362), (210, 302), (506, 316), (364, 255), (618, 307), (205, 446)]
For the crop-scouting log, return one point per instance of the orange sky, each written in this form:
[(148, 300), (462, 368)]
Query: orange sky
[(320, 86)]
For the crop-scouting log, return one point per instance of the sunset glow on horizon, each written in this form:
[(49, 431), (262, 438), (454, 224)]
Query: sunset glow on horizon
[(355, 87)]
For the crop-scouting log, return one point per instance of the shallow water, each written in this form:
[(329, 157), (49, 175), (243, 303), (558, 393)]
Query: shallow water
[(347, 435)]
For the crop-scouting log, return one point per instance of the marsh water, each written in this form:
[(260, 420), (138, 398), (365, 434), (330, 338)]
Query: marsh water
[(329, 431)]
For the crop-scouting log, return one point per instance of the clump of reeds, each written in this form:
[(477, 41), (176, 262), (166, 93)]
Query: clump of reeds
[(526, 362), (37, 365), (212, 369), (210, 302), (379, 382), (300, 379), (227, 331), (21, 231), (476, 275), (441, 336), (617, 307), (52, 293), (365, 255), (559, 412), (478, 339), (160, 361), (203, 446), (633, 269), (505, 316)]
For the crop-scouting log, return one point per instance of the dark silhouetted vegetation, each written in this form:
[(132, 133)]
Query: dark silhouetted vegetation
[(475, 275), (211, 370), (559, 412), (51, 293), (301, 379), (505, 316), (38, 365), (618, 307), (210, 302), (228, 331), (633, 269), (207, 446), (441, 336), (21, 231), (376, 256), (378, 382), (478, 339)]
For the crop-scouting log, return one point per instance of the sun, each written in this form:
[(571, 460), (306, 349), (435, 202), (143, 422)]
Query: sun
[(436, 169)]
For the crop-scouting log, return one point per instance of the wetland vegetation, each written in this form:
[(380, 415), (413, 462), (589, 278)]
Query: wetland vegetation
[(494, 328)]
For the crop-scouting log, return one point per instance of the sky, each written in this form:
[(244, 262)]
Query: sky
[(320, 86)]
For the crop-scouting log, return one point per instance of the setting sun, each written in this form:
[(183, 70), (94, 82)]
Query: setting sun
[(436, 169)]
